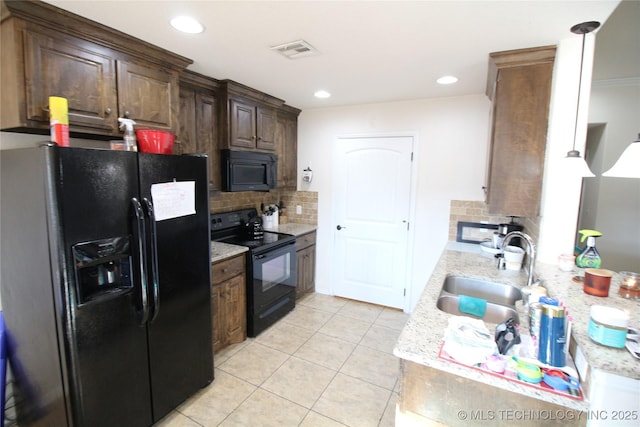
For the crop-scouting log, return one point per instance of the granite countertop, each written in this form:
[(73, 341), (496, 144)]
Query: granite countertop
[(421, 337), (612, 360), (221, 251), (293, 228)]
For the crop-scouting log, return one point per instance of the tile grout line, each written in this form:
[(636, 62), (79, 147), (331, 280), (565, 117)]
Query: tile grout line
[(290, 355)]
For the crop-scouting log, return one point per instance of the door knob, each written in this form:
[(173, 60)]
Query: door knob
[(340, 227)]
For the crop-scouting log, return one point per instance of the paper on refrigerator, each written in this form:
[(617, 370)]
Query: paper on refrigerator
[(173, 199)]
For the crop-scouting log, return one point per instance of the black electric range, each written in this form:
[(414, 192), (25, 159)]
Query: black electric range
[(271, 266)]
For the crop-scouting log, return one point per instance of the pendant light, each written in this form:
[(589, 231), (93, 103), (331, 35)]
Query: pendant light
[(628, 165), (574, 161)]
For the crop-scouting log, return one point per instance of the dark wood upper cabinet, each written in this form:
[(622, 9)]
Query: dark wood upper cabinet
[(252, 120), (199, 129), (104, 74), (286, 139), (519, 85), (242, 124), (251, 126), (148, 95), (248, 118), (79, 71)]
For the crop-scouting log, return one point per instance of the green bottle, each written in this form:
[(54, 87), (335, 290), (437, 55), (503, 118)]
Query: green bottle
[(589, 257)]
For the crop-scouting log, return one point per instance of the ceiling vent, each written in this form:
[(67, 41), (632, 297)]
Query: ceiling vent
[(295, 50)]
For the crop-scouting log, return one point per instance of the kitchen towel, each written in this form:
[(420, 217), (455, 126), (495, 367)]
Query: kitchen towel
[(472, 305)]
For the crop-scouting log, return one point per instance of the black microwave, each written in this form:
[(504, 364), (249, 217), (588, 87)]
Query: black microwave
[(248, 171)]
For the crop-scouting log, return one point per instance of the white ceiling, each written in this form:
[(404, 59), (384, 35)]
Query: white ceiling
[(370, 51)]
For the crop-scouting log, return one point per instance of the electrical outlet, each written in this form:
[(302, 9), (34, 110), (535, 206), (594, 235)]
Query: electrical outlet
[(298, 210)]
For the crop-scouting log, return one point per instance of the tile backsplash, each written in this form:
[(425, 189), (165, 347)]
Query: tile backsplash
[(476, 211), (308, 200)]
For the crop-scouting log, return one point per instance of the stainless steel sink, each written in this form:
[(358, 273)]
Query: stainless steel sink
[(501, 298), (497, 293), (495, 313)]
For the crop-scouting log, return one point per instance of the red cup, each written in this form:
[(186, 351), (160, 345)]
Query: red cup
[(597, 281)]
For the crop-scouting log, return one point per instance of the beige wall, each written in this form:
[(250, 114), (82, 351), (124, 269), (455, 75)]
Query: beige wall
[(612, 205), (450, 149), (450, 158)]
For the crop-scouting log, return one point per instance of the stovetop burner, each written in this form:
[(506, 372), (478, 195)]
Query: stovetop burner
[(238, 228)]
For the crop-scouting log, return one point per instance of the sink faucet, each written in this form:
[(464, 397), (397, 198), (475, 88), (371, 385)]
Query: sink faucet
[(532, 250)]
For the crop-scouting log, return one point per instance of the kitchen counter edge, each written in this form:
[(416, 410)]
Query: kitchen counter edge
[(294, 228), (221, 251), (421, 338)]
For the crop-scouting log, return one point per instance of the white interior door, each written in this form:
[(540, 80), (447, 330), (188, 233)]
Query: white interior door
[(371, 219)]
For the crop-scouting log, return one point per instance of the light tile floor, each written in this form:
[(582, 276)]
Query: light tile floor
[(327, 363)]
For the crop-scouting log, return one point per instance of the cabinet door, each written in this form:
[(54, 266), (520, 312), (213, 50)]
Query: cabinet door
[(218, 316), (150, 96), (266, 128), (519, 140), (286, 148), (306, 264), (242, 123), (236, 313), (206, 107), (199, 130), (186, 138), (74, 69), (310, 269)]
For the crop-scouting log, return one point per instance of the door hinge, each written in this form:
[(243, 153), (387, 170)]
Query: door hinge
[(412, 156), (405, 292)]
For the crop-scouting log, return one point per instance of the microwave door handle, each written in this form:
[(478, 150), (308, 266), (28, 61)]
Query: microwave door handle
[(154, 257), (139, 236)]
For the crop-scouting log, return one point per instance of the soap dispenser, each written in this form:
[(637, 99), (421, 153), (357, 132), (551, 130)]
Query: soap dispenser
[(589, 257)]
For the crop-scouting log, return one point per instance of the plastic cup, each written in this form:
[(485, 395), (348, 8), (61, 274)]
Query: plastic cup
[(513, 256)]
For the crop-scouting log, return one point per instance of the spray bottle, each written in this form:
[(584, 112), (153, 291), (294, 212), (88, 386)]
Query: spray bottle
[(589, 257), (129, 136)]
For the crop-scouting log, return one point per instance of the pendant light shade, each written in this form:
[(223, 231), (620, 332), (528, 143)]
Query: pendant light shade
[(574, 163), (628, 165)]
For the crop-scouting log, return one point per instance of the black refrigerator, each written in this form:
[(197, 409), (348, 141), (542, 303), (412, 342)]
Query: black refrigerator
[(105, 281)]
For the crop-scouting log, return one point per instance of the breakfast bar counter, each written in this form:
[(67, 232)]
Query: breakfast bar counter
[(419, 344)]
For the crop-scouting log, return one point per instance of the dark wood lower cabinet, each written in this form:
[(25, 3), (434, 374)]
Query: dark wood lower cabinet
[(306, 259), (228, 294)]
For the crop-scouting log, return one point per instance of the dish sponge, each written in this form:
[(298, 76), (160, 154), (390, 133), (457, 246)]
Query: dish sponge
[(472, 305)]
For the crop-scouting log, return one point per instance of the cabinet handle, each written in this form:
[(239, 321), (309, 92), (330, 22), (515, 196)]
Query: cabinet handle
[(107, 111), (45, 108), (127, 114)]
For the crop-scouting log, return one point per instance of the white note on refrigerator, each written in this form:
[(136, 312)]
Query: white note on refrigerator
[(173, 199)]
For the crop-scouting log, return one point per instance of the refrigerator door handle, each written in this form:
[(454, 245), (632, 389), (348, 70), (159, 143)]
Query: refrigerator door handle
[(154, 257), (139, 235)]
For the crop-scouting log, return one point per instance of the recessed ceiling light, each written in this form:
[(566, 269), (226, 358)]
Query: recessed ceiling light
[(447, 80), (187, 24), (322, 94)]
